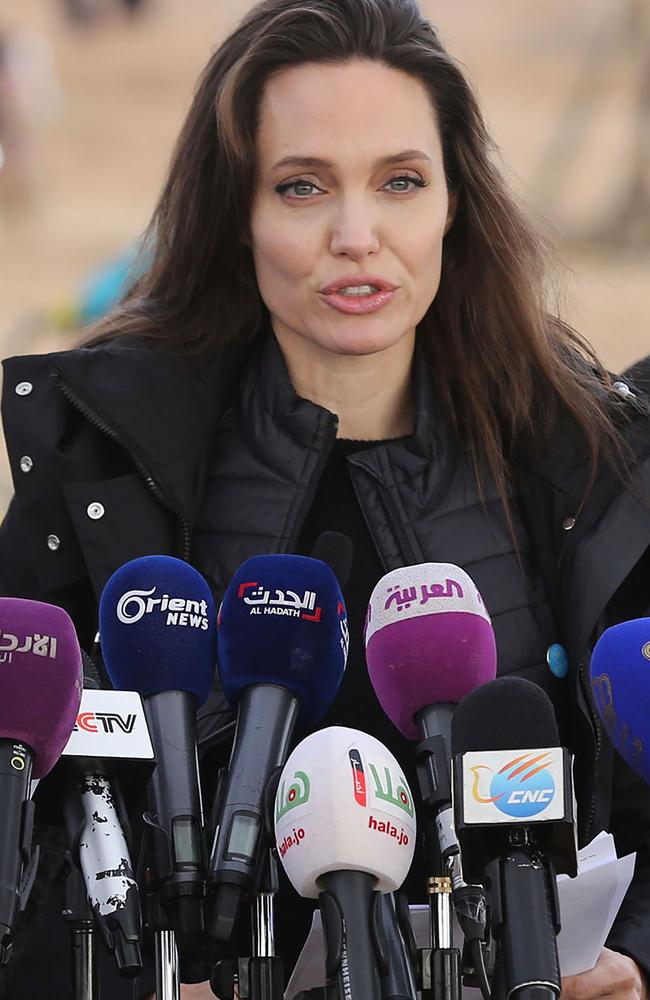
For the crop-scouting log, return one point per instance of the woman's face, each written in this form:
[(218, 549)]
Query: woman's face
[(362, 214)]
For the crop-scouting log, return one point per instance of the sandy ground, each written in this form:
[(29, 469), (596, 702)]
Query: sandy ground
[(124, 88)]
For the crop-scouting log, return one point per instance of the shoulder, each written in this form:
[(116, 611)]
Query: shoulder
[(130, 386), (563, 496), (562, 462)]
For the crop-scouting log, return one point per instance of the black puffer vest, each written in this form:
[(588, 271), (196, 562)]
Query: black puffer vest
[(420, 499)]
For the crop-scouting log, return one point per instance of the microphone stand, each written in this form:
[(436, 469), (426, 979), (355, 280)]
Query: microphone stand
[(168, 984), (78, 915), (261, 976), (440, 964), (265, 968)]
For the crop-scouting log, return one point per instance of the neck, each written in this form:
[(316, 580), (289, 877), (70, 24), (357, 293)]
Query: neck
[(371, 394)]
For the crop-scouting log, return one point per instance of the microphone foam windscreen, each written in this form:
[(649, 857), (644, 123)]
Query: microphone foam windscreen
[(90, 674), (283, 621), (508, 713), (158, 627), (343, 804), (620, 675), (337, 550), (429, 640), (40, 667)]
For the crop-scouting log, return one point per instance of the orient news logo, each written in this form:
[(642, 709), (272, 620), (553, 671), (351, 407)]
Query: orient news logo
[(523, 787), (135, 604), (36, 644)]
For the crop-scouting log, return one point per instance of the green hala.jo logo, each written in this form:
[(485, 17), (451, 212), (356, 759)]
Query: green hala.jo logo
[(400, 797), (295, 795)]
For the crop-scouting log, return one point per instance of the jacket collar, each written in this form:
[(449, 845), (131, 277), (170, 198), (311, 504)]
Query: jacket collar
[(268, 379), (161, 407), (164, 408)]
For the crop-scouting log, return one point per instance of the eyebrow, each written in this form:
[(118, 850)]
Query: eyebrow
[(315, 161)]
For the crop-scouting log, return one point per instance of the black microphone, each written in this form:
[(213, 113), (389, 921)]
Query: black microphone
[(337, 550), (513, 807), (282, 647)]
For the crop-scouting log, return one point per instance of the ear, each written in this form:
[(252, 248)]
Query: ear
[(452, 205)]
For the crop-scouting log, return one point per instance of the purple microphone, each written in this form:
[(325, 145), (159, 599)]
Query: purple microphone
[(40, 667), (429, 641)]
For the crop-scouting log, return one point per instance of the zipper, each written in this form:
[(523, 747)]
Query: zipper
[(392, 513), (595, 721), (97, 422), (312, 486)]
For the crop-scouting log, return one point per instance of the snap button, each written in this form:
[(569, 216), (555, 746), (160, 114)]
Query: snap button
[(95, 510), (623, 389), (26, 464), (24, 388), (53, 542), (557, 659), (568, 523)]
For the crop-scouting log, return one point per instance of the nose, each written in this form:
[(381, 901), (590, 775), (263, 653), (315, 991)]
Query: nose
[(354, 229)]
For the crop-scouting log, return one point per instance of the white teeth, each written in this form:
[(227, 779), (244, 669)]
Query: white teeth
[(358, 290)]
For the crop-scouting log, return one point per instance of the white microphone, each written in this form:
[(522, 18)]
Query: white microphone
[(345, 831)]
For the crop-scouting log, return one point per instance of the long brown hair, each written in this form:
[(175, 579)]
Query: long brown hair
[(501, 361)]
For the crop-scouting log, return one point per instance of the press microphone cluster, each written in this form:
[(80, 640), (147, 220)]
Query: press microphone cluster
[(494, 785)]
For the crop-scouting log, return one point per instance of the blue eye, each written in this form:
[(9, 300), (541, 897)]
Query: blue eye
[(282, 188), (407, 177), (302, 184)]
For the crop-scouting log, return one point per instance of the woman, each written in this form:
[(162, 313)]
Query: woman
[(344, 327)]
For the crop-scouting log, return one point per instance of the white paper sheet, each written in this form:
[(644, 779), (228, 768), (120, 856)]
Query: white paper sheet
[(589, 903)]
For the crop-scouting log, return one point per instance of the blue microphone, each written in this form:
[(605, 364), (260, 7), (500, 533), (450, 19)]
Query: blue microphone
[(282, 648), (158, 634), (620, 674)]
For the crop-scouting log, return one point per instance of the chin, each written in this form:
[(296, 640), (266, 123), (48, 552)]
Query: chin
[(360, 339)]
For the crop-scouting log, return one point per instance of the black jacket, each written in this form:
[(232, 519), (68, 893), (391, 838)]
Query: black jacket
[(109, 449)]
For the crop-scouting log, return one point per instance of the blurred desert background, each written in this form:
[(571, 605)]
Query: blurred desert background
[(95, 101)]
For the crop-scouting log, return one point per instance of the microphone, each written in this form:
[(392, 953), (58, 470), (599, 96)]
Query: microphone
[(158, 636), (94, 814), (345, 832), (514, 811), (337, 550), (40, 661), (619, 668), (282, 645), (429, 641)]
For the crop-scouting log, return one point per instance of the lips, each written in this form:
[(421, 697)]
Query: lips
[(354, 280)]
